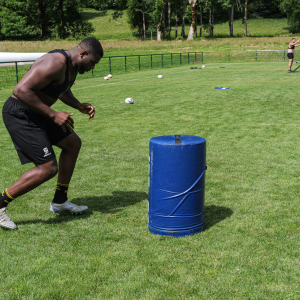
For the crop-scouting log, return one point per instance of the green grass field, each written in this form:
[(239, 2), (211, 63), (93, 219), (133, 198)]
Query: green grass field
[(250, 246)]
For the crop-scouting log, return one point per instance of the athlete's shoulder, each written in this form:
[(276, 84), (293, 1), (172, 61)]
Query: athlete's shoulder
[(52, 62), (56, 58)]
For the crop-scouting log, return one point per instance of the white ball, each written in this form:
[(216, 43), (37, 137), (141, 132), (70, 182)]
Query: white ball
[(105, 78), (203, 67), (160, 76), (129, 100), (109, 76)]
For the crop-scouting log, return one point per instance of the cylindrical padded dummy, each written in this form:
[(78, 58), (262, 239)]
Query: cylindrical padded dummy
[(177, 167)]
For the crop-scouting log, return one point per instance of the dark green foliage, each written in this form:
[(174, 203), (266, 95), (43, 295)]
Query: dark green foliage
[(17, 19), (103, 6), (292, 9), (269, 9), (136, 10), (35, 19)]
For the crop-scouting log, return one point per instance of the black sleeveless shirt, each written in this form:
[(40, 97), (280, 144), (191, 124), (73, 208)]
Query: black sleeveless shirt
[(54, 91)]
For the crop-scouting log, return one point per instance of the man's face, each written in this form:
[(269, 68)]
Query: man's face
[(87, 62)]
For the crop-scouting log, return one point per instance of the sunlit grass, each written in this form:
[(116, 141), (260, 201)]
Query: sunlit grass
[(250, 246)]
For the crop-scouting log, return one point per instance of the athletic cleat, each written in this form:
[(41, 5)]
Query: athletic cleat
[(5, 221), (289, 71), (67, 207)]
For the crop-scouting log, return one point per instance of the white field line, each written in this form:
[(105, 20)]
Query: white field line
[(107, 84), (111, 83)]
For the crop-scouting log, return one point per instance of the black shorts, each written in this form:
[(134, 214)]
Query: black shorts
[(32, 134), (290, 55)]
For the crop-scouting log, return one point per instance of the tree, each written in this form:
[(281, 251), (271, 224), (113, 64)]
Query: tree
[(292, 9), (229, 6), (17, 19), (139, 15), (265, 9), (169, 19), (211, 22), (28, 19), (159, 14), (41, 17), (183, 21), (201, 21), (175, 12), (245, 17), (194, 20), (62, 23)]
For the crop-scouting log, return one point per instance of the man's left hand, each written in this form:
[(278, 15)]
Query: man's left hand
[(88, 109)]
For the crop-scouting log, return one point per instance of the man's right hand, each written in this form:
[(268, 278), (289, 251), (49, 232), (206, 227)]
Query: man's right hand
[(64, 120)]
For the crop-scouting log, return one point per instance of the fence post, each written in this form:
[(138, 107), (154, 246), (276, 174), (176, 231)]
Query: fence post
[(151, 61), (188, 57), (256, 55), (125, 64), (171, 59), (180, 58), (228, 55), (17, 72), (139, 63), (283, 55), (92, 72), (195, 57), (162, 60), (109, 65), (202, 56)]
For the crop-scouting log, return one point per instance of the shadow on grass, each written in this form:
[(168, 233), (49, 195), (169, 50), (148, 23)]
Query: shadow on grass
[(215, 214), (110, 204)]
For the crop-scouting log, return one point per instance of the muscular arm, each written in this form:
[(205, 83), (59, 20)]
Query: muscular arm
[(45, 72), (48, 69), (69, 99)]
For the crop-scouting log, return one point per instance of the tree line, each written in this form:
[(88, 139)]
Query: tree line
[(157, 17), (40, 19)]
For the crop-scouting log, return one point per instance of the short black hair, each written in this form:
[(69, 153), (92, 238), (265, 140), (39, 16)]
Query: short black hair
[(93, 45)]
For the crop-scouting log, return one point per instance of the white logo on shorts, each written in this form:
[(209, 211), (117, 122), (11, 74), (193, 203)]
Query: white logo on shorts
[(47, 153)]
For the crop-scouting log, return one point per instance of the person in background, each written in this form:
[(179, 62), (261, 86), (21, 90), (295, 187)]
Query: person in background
[(291, 51)]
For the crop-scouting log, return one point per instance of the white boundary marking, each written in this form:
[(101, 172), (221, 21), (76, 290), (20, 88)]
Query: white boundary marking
[(106, 84)]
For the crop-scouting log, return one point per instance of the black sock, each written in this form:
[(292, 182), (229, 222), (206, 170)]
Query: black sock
[(61, 195), (5, 198)]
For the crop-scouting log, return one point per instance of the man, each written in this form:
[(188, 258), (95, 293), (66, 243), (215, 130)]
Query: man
[(34, 126), (291, 51)]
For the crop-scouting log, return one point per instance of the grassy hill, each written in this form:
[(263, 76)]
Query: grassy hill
[(107, 28)]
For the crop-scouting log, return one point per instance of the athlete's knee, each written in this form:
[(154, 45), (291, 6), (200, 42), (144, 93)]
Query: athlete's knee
[(77, 142), (74, 143), (71, 144), (48, 170)]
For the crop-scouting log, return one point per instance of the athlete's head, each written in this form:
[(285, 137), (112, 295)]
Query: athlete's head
[(90, 53), (293, 39)]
